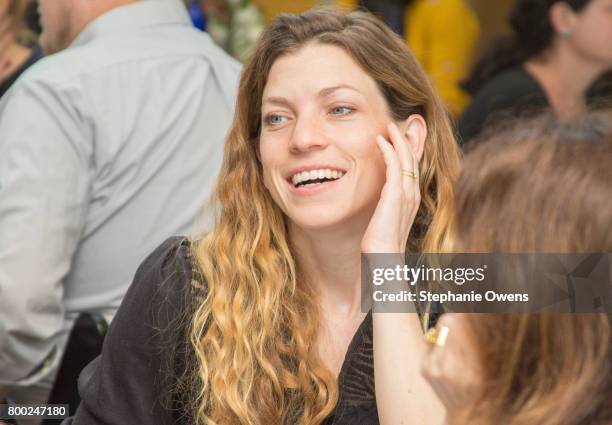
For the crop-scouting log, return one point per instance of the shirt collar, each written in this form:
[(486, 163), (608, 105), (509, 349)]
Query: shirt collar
[(143, 13)]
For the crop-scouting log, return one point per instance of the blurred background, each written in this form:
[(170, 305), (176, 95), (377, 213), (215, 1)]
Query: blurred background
[(236, 24), (447, 36)]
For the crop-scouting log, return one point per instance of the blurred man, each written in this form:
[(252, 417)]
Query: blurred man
[(107, 147)]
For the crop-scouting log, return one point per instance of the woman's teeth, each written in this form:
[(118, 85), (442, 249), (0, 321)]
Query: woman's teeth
[(312, 177)]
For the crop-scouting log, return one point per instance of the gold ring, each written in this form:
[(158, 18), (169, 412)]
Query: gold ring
[(409, 174), (435, 336), (431, 336)]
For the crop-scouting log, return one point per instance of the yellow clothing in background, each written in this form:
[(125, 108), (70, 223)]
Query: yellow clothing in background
[(271, 8), (443, 35)]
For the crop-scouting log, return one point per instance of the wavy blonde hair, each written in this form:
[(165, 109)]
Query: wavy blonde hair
[(256, 319)]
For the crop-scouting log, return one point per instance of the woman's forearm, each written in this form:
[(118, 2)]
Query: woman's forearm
[(402, 394)]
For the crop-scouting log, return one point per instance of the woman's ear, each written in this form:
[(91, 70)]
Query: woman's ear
[(414, 129), (562, 18)]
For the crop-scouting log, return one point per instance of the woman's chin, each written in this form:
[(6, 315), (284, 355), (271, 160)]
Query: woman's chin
[(317, 218), (327, 220)]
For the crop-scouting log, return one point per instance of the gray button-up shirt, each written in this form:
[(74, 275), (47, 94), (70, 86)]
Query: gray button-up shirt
[(106, 149)]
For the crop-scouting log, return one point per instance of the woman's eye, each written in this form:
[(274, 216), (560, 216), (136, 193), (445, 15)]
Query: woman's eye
[(341, 110), (274, 119)]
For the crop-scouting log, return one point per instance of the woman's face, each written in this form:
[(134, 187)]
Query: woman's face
[(321, 114), (591, 32)]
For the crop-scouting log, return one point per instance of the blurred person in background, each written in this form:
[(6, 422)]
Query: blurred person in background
[(273, 8), (443, 35), (537, 187), (15, 54), (107, 147), (558, 49), (392, 12), (234, 25)]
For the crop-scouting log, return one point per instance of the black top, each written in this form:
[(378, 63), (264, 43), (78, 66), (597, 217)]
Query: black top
[(512, 93), (34, 56), (146, 346)]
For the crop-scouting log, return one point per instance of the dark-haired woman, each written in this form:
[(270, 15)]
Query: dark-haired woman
[(557, 51)]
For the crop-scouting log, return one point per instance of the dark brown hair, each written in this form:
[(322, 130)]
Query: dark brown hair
[(541, 187)]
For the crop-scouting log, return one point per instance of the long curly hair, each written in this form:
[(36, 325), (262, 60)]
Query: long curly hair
[(256, 318)]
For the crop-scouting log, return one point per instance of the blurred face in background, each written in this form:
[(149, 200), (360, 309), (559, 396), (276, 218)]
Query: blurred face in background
[(56, 23), (591, 32)]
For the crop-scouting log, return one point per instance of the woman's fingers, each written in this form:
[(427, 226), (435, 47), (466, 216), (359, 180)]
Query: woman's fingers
[(402, 148), (390, 225), (416, 185), (408, 166), (383, 232), (452, 366), (392, 162)]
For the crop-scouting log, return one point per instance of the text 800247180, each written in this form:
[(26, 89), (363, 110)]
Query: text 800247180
[(41, 411)]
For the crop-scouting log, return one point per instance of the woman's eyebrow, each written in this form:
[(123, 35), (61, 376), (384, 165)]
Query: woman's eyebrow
[(324, 92), (329, 90), (277, 100)]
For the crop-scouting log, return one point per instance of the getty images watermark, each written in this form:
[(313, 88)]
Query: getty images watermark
[(487, 283)]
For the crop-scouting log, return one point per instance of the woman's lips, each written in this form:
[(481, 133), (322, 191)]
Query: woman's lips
[(311, 189)]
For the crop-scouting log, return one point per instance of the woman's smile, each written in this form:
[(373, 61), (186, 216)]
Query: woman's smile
[(312, 179)]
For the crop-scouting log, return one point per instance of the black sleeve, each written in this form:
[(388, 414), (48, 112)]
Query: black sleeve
[(492, 98), (513, 93), (471, 121), (128, 383)]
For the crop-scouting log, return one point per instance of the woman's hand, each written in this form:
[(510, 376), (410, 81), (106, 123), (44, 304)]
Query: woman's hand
[(390, 225), (452, 366), (403, 396)]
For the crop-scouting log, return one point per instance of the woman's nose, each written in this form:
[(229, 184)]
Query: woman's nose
[(306, 135)]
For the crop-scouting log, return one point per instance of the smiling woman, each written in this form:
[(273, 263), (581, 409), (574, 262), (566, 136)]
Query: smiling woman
[(339, 146)]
